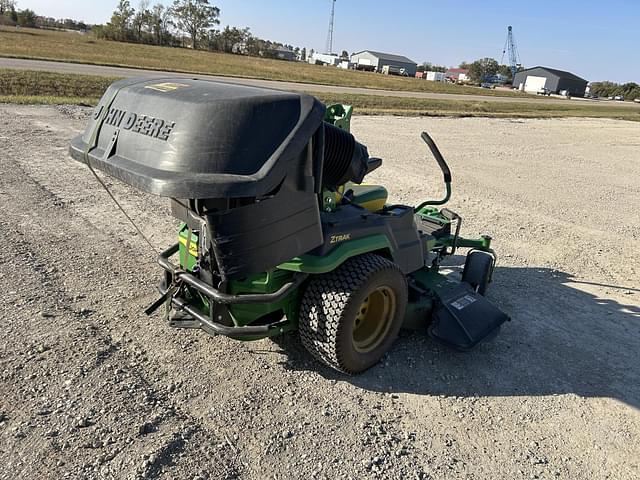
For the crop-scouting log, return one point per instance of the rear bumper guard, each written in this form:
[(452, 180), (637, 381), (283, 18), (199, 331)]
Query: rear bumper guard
[(179, 276)]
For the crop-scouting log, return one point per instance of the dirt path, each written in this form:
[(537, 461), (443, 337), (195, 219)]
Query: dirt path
[(91, 388)]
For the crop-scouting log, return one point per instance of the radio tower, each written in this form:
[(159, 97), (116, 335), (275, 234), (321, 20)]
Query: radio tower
[(329, 46), (510, 48)]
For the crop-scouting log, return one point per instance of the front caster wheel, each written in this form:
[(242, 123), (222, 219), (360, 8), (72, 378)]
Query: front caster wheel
[(478, 267)]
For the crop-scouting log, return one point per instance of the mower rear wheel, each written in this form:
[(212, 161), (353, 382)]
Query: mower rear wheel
[(350, 317)]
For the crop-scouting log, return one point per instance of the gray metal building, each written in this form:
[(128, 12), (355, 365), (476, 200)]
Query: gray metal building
[(533, 80), (374, 61)]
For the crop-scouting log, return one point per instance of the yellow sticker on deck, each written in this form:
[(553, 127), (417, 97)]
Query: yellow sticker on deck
[(166, 87)]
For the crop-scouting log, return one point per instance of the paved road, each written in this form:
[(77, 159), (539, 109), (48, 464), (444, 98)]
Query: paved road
[(63, 67)]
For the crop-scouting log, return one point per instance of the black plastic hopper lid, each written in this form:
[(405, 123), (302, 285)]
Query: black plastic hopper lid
[(189, 138)]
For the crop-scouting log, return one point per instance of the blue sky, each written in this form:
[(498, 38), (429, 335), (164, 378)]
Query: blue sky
[(595, 40)]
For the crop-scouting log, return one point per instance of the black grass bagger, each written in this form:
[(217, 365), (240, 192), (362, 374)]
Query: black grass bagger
[(278, 233)]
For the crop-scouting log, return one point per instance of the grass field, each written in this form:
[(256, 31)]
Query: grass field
[(73, 47), (35, 87)]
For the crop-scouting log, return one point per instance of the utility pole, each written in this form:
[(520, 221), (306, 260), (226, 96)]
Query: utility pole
[(329, 46)]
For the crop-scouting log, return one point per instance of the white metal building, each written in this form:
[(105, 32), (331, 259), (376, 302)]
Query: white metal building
[(324, 59)]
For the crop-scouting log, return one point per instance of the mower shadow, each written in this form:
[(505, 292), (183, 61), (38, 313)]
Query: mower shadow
[(560, 340)]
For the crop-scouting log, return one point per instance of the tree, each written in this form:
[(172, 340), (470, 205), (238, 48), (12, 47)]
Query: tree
[(7, 6), (27, 18), (161, 21), (118, 27), (233, 40), (505, 70), (344, 55), (483, 68), (141, 19), (430, 67), (195, 18), (255, 46), (629, 90)]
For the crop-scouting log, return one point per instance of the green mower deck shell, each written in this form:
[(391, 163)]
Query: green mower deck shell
[(432, 280)]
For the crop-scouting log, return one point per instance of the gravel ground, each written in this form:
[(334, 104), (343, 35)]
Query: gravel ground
[(91, 388)]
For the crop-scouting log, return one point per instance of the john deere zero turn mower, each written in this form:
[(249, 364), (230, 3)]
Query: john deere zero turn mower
[(277, 232)]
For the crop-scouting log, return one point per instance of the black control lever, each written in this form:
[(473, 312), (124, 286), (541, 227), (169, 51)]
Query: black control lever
[(445, 172), (438, 156)]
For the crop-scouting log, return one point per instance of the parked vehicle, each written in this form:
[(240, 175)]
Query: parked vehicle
[(393, 70), (299, 245)]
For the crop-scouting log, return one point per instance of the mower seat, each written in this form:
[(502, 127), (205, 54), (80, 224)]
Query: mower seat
[(369, 197)]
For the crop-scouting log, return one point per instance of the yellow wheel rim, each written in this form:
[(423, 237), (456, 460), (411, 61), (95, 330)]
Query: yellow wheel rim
[(374, 319)]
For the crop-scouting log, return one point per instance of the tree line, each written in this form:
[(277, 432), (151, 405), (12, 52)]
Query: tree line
[(485, 69), (481, 70), (11, 15), (629, 91), (430, 67), (185, 23)]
